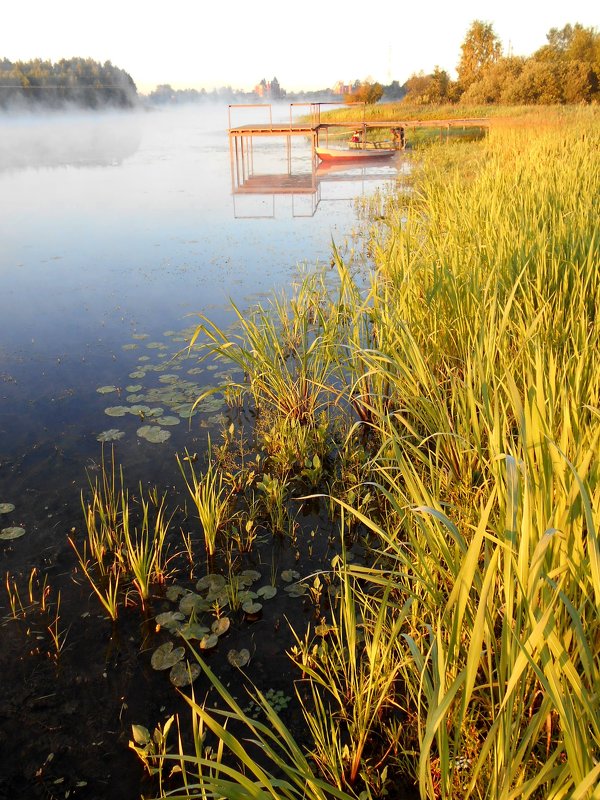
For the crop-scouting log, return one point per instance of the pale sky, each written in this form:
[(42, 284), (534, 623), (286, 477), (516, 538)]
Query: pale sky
[(310, 44)]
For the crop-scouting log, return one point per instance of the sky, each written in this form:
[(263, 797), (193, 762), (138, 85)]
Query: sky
[(306, 45)]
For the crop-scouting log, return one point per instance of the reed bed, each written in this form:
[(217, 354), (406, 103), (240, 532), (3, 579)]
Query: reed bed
[(462, 393)]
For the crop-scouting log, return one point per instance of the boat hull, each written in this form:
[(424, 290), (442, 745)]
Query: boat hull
[(333, 154)]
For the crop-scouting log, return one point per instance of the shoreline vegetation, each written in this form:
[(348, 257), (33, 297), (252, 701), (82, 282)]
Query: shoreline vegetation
[(448, 416)]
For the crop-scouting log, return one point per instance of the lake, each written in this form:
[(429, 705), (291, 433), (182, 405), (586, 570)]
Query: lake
[(117, 231), (124, 225)]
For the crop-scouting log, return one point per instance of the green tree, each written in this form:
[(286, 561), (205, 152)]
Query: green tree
[(480, 48), (494, 81)]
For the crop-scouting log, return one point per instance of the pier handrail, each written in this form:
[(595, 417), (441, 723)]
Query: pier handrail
[(249, 105)]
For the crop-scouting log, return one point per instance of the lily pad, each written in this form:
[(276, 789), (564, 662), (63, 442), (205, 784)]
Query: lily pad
[(193, 630), (111, 435), (6, 508), (295, 590), (168, 420), (252, 609), (220, 626), (289, 575), (106, 389), (212, 581), (251, 574), (116, 411), (208, 642), (174, 592), (171, 620), (238, 658), (140, 336), (182, 674), (165, 656), (153, 434), (267, 592), (138, 373), (129, 346), (14, 532), (193, 603), (246, 594)]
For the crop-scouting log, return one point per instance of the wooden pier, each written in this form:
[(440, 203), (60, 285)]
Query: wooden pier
[(315, 128)]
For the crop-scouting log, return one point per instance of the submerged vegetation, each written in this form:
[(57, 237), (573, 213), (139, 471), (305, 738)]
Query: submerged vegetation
[(448, 415)]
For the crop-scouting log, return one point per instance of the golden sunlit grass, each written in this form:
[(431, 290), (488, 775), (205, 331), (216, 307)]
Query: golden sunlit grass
[(466, 652)]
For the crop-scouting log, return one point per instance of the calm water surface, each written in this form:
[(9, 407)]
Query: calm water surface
[(114, 229)]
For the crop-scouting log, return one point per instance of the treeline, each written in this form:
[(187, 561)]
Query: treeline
[(565, 70), (75, 81)]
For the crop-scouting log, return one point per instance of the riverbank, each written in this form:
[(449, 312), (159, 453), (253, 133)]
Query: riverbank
[(408, 476), (451, 418)]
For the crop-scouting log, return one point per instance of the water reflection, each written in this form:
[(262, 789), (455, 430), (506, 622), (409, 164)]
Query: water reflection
[(255, 194)]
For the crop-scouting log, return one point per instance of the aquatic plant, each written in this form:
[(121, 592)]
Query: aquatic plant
[(211, 497)]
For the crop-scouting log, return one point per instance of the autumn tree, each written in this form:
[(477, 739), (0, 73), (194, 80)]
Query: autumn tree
[(365, 92), (480, 48)]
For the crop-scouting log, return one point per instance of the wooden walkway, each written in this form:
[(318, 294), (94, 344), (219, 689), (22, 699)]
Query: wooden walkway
[(316, 128)]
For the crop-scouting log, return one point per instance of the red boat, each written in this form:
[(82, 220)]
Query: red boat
[(354, 154)]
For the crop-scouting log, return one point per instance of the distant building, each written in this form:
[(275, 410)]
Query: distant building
[(342, 88), (270, 89)]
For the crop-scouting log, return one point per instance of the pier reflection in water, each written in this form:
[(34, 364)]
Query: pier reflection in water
[(255, 194)]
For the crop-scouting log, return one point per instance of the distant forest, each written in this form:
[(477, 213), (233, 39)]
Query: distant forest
[(75, 81)]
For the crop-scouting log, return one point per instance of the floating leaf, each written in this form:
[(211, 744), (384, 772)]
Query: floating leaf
[(111, 435), (209, 642), (267, 592), (129, 346), (193, 603), (174, 592), (251, 574), (6, 508), (116, 411), (153, 434), (212, 581), (289, 575), (106, 389), (182, 674), (295, 590), (12, 533), (220, 626), (193, 630), (138, 373), (168, 420), (245, 595), (238, 658), (251, 608), (165, 656), (140, 336), (170, 620)]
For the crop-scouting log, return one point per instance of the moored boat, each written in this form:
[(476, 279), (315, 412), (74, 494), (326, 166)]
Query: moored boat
[(353, 154)]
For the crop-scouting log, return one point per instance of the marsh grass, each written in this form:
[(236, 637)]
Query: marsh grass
[(124, 547), (211, 496), (462, 392)]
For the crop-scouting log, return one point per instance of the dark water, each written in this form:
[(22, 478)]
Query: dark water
[(116, 231)]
